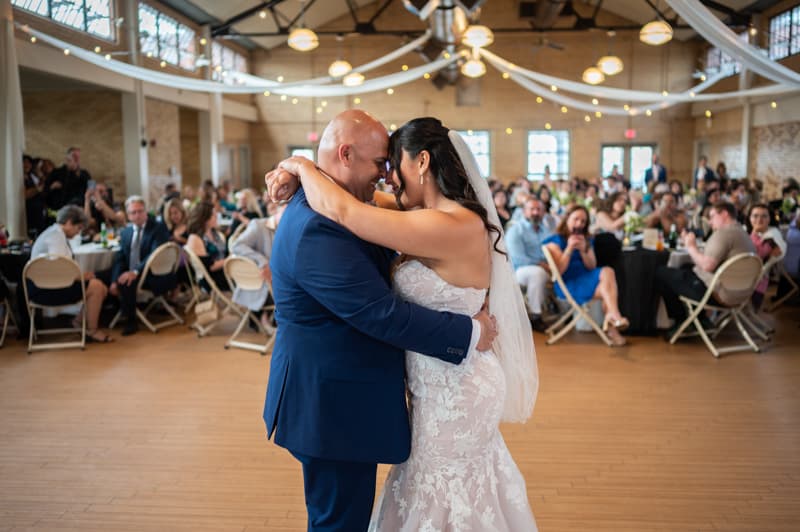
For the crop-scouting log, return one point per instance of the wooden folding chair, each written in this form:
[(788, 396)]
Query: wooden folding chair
[(244, 274), (224, 304), (738, 277), (53, 272), (570, 318), (163, 261)]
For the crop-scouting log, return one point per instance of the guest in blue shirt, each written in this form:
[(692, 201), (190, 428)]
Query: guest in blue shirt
[(574, 256), (524, 239)]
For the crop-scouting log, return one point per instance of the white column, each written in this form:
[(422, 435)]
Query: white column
[(12, 130), (209, 123), (210, 129), (134, 121)]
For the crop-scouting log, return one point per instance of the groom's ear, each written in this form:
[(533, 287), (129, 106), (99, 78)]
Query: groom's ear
[(345, 154)]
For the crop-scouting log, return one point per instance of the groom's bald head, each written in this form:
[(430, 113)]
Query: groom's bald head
[(353, 151)]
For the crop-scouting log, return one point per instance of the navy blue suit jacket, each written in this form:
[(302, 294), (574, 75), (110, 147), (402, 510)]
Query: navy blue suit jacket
[(154, 234), (337, 378), (662, 176)]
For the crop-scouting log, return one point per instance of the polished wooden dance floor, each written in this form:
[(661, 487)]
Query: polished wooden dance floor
[(164, 433)]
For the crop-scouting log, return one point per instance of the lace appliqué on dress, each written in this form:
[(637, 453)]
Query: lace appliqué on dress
[(460, 475)]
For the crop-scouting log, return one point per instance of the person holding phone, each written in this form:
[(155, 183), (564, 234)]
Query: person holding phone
[(100, 208), (768, 241), (573, 253)]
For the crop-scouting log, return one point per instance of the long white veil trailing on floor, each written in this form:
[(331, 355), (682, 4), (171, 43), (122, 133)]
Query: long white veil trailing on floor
[(514, 343)]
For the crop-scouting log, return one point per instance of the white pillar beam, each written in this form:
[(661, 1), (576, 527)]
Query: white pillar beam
[(134, 121), (12, 131)]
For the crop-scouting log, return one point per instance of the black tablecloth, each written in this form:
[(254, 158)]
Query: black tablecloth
[(638, 301), (12, 264)]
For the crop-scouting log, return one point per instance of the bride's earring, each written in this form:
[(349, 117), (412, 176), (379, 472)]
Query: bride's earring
[(421, 178)]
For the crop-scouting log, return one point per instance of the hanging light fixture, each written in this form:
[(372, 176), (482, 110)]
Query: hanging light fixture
[(353, 79), (477, 36), (610, 65), (473, 68), (593, 76), (339, 68), (303, 40), (656, 33)]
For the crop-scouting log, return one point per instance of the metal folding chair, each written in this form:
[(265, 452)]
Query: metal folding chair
[(163, 261), (8, 315), (224, 304), (53, 272), (738, 277), (570, 318), (244, 274)]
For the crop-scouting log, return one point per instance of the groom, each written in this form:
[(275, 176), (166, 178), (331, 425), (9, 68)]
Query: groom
[(336, 391)]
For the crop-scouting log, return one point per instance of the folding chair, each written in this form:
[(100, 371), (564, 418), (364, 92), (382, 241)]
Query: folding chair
[(781, 271), (750, 313), (163, 261), (738, 276), (570, 318), (53, 272), (236, 234), (7, 316), (221, 300), (244, 274)]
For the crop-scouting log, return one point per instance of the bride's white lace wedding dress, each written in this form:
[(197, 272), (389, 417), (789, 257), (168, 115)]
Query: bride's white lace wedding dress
[(460, 475)]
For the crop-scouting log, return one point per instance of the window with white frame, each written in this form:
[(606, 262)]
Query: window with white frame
[(719, 61), (224, 59), (479, 144), (91, 16), (551, 149), (165, 38), (631, 160), (784, 34)]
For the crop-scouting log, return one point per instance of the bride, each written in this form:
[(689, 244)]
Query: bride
[(460, 474)]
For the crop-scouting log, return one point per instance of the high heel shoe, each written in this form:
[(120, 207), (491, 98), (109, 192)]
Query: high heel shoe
[(617, 340), (620, 324)]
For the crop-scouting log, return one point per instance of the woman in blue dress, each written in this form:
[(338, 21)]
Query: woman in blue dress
[(574, 256)]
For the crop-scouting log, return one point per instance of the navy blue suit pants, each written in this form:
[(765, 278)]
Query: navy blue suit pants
[(339, 495)]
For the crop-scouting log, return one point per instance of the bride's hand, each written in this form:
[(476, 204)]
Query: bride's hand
[(488, 329), (283, 181)]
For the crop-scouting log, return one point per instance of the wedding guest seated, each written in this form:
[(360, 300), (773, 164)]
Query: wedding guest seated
[(206, 242), (70, 221), (170, 192), (101, 209), (255, 243), (501, 205), (524, 240), (574, 256), (727, 240), (667, 214), (676, 188), (247, 208), (768, 242), (610, 216), (791, 261), (137, 242), (175, 219)]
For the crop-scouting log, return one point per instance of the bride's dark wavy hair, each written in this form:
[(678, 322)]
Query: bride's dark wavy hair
[(430, 135)]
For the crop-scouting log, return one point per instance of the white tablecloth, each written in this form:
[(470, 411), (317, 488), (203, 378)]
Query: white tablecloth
[(93, 257)]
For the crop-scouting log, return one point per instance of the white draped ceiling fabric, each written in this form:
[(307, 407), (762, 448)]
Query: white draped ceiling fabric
[(12, 133), (690, 10), (714, 31)]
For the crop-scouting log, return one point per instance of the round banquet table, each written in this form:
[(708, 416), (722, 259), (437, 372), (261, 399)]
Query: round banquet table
[(93, 257)]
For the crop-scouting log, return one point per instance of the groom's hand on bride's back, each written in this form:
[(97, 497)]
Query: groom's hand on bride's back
[(488, 329), (281, 185)]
